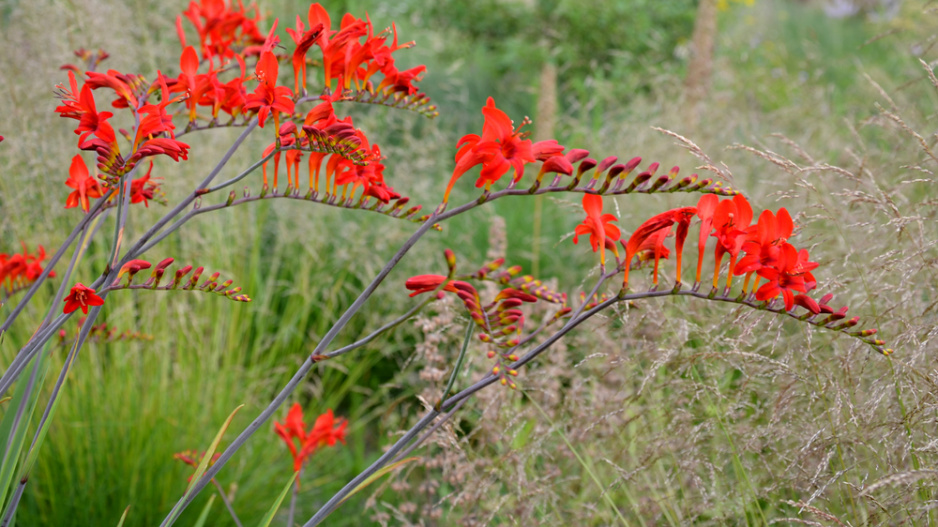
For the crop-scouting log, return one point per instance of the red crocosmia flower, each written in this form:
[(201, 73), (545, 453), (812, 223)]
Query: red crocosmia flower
[(682, 217), (598, 225), (85, 186), (326, 431), (731, 219), (133, 267), (499, 148), (20, 269), (790, 274), (543, 150), (428, 282), (81, 106), (653, 247), (268, 97), (808, 303), (706, 206), (764, 242), (81, 297), (121, 83), (304, 40), (143, 189), (654, 224)]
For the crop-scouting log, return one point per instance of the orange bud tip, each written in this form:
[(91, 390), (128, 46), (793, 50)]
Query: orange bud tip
[(504, 382), (490, 354)]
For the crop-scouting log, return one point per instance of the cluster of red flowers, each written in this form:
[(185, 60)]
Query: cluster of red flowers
[(303, 443), (142, 189), (501, 321), (352, 162), (502, 147), (759, 250), (154, 132), (351, 54), (18, 270), (348, 59)]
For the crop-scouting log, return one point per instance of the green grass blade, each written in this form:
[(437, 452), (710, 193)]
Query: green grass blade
[(203, 465), (203, 516), (586, 466), (377, 475), (33, 453), (269, 517), (123, 517), (13, 440)]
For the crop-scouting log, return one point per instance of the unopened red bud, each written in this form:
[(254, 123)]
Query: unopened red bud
[(450, 259), (164, 264), (576, 154), (513, 373), (512, 357), (585, 165), (606, 163), (504, 381), (852, 322), (495, 370), (616, 170), (490, 354), (509, 303)]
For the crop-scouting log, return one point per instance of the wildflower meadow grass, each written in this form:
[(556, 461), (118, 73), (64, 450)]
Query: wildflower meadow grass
[(691, 401)]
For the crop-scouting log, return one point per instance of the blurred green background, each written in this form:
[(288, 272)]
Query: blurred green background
[(670, 412)]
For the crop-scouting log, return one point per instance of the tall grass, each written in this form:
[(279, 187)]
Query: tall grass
[(685, 412)]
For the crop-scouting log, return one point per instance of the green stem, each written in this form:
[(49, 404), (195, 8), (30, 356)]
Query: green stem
[(459, 361)]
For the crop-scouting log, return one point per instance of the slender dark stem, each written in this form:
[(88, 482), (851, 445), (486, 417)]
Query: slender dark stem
[(242, 175), (224, 499), (14, 501), (300, 374), (296, 490), (123, 204), (447, 405), (376, 333), (44, 332), (134, 251), (55, 259), (436, 426), (376, 466), (169, 230), (459, 361), (31, 348)]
